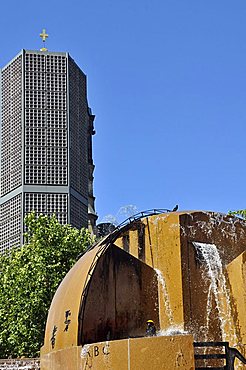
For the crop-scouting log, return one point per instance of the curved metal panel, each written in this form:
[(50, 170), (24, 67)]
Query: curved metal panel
[(62, 323)]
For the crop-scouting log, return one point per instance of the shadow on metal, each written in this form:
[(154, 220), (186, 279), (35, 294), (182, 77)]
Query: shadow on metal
[(216, 351), (110, 238)]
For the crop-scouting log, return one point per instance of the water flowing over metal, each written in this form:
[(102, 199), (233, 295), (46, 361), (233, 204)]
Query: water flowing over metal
[(209, 255), (166, 298)]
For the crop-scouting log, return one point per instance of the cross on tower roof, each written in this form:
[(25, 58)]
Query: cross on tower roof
[(44, 36)]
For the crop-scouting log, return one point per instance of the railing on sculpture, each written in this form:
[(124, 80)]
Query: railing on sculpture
[(216, 356)]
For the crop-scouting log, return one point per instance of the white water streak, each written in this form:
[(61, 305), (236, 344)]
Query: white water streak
[(214, 272), (173, 330), (209, 310), (166, 297)]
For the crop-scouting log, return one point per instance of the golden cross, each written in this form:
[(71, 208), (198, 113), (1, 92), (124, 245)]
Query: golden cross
[(44, 36)]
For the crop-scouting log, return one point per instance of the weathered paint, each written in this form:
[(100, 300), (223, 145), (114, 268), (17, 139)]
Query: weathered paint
[(237, 278), (163, 242), (167, 353), (168, 247), (121, 296), (125, 292), (163, 235), (229, 235), (68, 297), (162, 251)]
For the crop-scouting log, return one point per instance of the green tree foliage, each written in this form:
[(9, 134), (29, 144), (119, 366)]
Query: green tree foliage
[(29, 277), (241, 213)]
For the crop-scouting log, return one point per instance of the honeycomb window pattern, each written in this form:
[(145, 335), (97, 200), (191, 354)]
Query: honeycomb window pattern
[(56, 137), (35, 81), (79, 213), (11, 138), (56, 82), (54, 155), (48, 204), (56, 119), (56, 100), (55, 174), (35, 136), (35, 202), (35, 118), (35, 112), (10, 223), (35, 153), (36, 174), (46, 137), (35, 99), (56, 64), (79, 124), (35, 62)]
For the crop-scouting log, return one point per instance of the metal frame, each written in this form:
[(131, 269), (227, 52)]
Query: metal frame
[(229, 355)]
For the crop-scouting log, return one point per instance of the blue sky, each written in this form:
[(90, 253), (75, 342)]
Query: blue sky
[(167, 82)]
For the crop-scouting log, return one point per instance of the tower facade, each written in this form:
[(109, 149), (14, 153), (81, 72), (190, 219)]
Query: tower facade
[(46, 143)]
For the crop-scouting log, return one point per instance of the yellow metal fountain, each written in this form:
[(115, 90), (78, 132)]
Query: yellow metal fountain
[(186, 271)]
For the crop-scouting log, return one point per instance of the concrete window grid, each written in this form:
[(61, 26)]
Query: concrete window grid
[(78, 129), (35, 136), (13, 203), (56, 175), (56, 64), (78, 213), (35, 118), (62, 218), (35, 155), (56, 82), (10, 212), (50, 175), (35, 99), (11, 126), (56, 156), (7, 244), (35, 201), (34, 62), (47, 204), (35, 175), (45, 132), (56, 137), (35, 81), (15, 178), (56, 100), (16, 110), (49, 101), (56, 119), (57, 203)]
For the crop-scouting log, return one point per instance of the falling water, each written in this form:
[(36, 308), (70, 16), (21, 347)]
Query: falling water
[(166, 297), (217, 287)]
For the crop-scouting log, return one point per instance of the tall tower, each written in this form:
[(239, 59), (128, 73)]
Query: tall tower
[(46, 143)]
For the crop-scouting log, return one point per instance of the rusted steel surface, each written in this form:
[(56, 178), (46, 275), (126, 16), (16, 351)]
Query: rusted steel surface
[(62, 323), (106, 296), (122, 296), (229, 235)]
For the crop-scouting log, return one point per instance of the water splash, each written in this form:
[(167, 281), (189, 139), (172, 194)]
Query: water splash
[(110, 219), (230, 226), (127, 211), (168, 310), (172, 330), (123, 213), (218, 288)]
